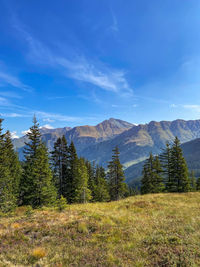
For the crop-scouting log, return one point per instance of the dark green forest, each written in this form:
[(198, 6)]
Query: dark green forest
[(55, 178), (168, 172)]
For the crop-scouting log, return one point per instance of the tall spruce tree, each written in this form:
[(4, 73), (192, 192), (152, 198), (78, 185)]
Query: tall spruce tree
[(101, 190), (37, 187), (157, 176), (91, 177), (198, 184), (147, 176), (82, 193), (12, 162), (73, 173), (180, 181), (8, 180), (60, 165), (165, 159), (116, 178), (152, 181)]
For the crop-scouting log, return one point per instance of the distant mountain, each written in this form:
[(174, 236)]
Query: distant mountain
[(82, 136), (135, 142), (191, 152)]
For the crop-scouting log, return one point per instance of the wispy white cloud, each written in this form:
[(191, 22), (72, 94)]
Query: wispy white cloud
[(55, 117), (45, 116), (173, 106), (8, 79), (191, 107), (48, 120), (114, 26), (114, 106), (25, 132), (47, 126), (4, 101), (14, 135), (195, 108), (78, 68), (10, 94), (14, 115)]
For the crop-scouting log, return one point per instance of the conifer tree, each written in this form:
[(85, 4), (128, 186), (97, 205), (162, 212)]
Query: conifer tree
[(82, 193), (60, 165), (37, 187), (157, 176), (101, 190), (12, 162), (147, 185), (165, 159), (72, 174), (198, 184), (152, 181), (91, 177), (180, 181), (8, 195), (116, 177)]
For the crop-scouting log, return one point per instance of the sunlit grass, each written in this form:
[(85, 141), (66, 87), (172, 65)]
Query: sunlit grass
[(151, 230)]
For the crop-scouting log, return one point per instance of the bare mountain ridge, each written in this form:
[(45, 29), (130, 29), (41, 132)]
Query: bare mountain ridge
[(135, 142), (82, 136)]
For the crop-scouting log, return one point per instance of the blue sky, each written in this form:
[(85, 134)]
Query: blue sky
[(80, 62)]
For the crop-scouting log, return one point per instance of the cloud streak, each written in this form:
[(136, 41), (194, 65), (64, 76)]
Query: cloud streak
[(195, 108), (8, 79), (114, 26), (79, 68)]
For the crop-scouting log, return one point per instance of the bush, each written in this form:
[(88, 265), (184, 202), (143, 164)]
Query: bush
[(61, 204)]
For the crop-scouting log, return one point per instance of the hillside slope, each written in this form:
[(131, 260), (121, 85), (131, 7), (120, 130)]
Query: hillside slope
[(150, 230), (191, 152)]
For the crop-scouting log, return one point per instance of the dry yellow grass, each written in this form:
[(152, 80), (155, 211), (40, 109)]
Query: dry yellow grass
[(151, 230)]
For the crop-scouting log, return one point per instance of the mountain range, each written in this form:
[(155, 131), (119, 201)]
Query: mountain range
[(135, 142)]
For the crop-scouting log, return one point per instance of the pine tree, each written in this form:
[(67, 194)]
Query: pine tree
[(152, 181), (180, 181), (157, 176), (91, 177), (37, 187), (101, 190), (82, 194), (12, 162), (72, 174), (198, 184), (116, 178), (60, 165), (8, 198), (147, 176), (165, 159)]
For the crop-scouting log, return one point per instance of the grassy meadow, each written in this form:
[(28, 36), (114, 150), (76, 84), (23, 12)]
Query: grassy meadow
[(149, 230)]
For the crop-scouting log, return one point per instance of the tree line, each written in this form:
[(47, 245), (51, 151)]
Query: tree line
[(44, 178), (168, 172)]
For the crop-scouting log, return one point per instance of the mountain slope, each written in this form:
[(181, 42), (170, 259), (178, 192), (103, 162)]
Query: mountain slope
[(82, 136), (136, 143), (191, 152)]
